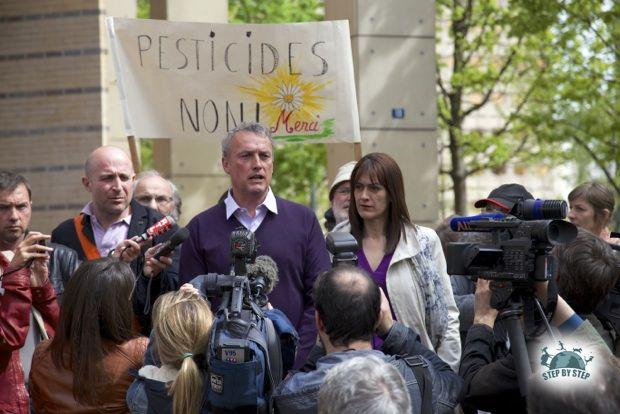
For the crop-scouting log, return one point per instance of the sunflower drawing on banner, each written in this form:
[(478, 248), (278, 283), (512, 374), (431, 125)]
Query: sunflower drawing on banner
[(291, 105)]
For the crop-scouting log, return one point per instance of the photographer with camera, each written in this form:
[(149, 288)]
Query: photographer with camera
[(492, 384), (350, 307)]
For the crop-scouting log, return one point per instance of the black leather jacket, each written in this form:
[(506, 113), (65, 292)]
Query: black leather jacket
[(63, 262)]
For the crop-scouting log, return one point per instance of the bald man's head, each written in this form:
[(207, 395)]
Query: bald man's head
[(348, 302), (108, 176)]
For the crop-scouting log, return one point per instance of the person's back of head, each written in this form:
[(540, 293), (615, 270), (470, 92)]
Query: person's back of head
[(96, 313), (181, 326), (364, 385), (587, 271), (348, 302)]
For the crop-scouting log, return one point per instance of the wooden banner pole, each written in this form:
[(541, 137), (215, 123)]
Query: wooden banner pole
[(134, 151)]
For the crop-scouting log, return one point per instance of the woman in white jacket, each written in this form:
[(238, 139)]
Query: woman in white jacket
[(405, 259)]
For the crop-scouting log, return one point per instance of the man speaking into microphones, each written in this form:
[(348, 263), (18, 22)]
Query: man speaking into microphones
[(111, 222)]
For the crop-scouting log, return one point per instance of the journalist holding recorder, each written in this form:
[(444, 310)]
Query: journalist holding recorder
[(109, 224)]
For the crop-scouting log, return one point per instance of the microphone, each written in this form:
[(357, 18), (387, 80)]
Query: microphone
[(156, 229), (168, 246), (264, 275), (462, 223)]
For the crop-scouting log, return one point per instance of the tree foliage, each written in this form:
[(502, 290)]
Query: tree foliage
[(582, 114), (546, 68), (498, 55)]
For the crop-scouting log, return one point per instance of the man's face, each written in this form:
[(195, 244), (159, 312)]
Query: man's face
[(15, 212), (109, 181), (340, 202), (155, 192), (250, 166)]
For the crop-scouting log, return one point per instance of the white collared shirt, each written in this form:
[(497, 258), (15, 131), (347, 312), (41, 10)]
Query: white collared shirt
[(241, 213)]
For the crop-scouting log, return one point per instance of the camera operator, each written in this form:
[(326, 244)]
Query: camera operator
[(491, 383), (588, 264), (350, 307)]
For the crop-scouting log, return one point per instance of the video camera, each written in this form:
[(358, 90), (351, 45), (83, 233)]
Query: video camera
[(520, 247), (245, 359), (518, 256)]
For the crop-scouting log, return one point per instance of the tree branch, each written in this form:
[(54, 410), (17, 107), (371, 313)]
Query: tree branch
[(598, 162), (519, 107), (494, 84), (477, 41)]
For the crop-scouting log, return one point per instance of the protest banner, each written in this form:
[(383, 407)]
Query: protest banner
[(199, 80)]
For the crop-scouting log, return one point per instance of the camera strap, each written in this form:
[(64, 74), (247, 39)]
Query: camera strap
[(420, 370)]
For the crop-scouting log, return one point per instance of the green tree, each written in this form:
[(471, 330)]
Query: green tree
[(498, 55), (582, 115), (549, 68)]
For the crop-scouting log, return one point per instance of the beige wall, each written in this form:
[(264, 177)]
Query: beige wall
[(393, 44), (53, 96)]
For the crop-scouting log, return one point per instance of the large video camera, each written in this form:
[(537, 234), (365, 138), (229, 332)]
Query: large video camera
[(245, 359), (519, 251), (518, 255)]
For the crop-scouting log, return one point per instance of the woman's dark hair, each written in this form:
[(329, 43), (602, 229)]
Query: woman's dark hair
[(96, 315), (348, 301), (381, 169)]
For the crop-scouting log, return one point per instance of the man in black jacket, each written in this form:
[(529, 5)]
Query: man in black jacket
[(111, 219), (349, 307), (491, 382)]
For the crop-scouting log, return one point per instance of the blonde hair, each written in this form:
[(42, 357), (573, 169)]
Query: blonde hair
[(181, 325)]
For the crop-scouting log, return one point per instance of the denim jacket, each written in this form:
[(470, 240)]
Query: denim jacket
[(298, 393)]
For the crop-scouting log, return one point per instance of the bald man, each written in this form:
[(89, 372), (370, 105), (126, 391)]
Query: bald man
[(110, 218)]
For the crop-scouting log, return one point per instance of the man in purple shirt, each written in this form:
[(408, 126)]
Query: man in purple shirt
[(287, 232)]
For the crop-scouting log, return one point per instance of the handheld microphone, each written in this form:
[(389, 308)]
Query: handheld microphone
[(168, 246), (462, 223), (156, 229), (264, 272)]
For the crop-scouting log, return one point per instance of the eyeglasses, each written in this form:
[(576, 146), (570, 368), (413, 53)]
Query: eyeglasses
[(147, 198), (345, 191)]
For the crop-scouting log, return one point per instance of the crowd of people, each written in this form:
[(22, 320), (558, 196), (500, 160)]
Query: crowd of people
[(94, 318)]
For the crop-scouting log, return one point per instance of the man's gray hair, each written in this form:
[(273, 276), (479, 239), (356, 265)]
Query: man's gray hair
[(254, 127), (176, 196), (364, 385)]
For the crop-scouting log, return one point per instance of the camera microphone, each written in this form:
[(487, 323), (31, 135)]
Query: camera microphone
[(462, 223), (266, 268), (156, 229), (540, 209), (168, 246)]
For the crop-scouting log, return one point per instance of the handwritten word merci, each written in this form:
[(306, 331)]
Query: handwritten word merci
[(565, 372), (163, 52)]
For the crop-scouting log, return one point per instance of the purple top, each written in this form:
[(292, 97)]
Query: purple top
[(379, 275), (292, 238)]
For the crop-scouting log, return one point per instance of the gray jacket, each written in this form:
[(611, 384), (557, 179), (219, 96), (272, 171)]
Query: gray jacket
[(298, 392)]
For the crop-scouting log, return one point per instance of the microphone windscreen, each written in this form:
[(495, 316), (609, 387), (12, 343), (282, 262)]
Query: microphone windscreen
[(179, 237), (267, 267)]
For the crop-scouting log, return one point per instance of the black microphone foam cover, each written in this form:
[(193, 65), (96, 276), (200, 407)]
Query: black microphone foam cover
[(267, 267)]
